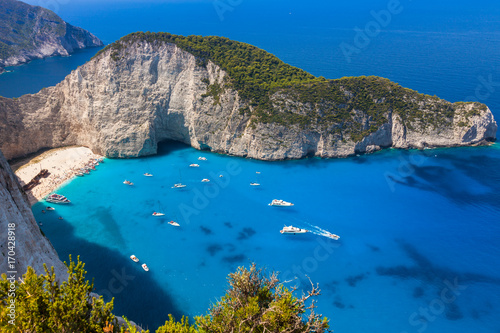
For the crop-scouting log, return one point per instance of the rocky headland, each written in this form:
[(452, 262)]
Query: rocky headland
[(232, 98), (32, 32)]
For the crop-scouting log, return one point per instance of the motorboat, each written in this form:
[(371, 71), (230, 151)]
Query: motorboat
[(205, 180), (80, 174), (148, 174), (175, 224), (280, 203), (134, 258), (145, 267), (158, 214), (293, 230), (194, 165), (50, 208), (201, 158), (332, 236), (57, 198), (179, 185), (254, 184), (126, 182)]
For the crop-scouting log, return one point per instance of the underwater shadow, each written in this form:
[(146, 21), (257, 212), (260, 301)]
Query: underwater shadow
[(137, 295)]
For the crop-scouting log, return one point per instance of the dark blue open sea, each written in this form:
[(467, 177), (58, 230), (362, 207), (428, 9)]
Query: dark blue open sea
[(419, 249)]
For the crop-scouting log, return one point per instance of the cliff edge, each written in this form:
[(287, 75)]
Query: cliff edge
[(22, 242), (31, 32), (228, 97)]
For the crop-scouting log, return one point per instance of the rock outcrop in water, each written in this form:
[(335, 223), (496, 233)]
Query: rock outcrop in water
[(139, 92), (29, 247), (32, 32)]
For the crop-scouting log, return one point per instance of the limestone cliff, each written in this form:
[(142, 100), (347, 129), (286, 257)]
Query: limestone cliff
[(30, 247), (31, 32), (140, 92)]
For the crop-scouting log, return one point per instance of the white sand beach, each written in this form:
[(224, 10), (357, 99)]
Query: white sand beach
[(62, 163)]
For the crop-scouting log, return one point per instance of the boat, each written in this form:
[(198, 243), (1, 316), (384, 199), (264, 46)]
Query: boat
[(332, 236), (175, 224), (126, 182), (145, 267), (205, 180), (280, 203), (148, 174), (293, 230), (179, 184), (220, 176), (194, 165), (158, 214), (134, 258), (201, 158), (80, 174), (57, 198), (50, 208), (256, 182)]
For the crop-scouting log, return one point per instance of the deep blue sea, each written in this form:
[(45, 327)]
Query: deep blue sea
[(419, 230)]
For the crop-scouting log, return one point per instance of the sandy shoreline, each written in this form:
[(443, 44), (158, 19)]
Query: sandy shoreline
[(62, 163)]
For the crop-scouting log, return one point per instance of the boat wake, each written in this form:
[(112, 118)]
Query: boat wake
[(314, 229)]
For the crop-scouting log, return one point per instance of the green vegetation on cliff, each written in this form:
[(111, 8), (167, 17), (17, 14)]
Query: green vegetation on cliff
[(279, 93), (253, 302)]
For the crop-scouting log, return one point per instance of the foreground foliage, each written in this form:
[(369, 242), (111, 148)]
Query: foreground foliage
[(253, 303)]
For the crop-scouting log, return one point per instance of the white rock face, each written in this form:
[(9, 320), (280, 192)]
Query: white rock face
[(122, 103), (31, 248)]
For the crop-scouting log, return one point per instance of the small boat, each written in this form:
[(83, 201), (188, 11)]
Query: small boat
[(257, 172), (220, 176), (175, 224), (80, 174), (158, 214), (50, 208), (254, 184), (280, 203), (201, 158), (179, 184), (205, 180), (134, 258), (293, 230), (126, 182), (145, 267), (194, 165), (57, 198), (332, 236), (148, 174)]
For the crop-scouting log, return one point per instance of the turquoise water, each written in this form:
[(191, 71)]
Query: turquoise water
[(418, 250), (408, 221)]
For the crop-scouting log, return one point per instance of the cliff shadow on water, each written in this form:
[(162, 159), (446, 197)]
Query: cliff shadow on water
[(136, 294)]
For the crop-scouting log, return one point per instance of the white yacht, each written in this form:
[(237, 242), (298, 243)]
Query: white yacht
[(147, 174), (194, 165), (280, 203), (175, 224), (158, 214), (57, 198), (293, 230), (178, 185), (201, 158), (254, 184), (134, 258), (205, 180), (126, 182), (145, 267)]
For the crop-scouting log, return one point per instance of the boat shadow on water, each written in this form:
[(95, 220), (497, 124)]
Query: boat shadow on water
[(137, 295)]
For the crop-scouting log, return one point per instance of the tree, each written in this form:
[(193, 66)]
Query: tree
[(255, 303), (45, 305)]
